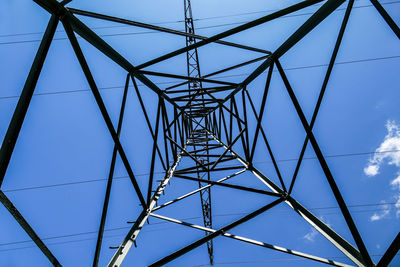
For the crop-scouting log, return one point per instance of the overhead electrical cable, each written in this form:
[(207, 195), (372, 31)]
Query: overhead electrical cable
[(145, 174), (217, 77), (149, 32)]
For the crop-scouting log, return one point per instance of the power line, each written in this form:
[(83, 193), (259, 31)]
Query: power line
[(275, 260), (144, 174), (152, 32), (217, 77), (174, 227), (158, 23)]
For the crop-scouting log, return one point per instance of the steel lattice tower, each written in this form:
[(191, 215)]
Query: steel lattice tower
[(209, 127), (200, 138)]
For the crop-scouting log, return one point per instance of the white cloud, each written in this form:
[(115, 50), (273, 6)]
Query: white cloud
[(397, 205), (396, 182), (381, 214), (391, 142), (310, 236), (371, 170)]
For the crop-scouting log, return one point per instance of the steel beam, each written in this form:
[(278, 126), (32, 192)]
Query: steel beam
[(243, 27), (254, 242), (81, 29), (344, 246), (110, 178), (386, 17), (18, 117), (28, 229), (130, 238), (160, 29), (218, 232), (324, 165), (102, 107), (390, 252)]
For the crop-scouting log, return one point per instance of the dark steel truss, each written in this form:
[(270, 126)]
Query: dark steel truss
[(204, 129)]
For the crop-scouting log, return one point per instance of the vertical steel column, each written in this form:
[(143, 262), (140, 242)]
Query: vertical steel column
[(193, 70)]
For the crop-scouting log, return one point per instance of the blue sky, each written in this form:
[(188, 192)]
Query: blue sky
[(64, 141)]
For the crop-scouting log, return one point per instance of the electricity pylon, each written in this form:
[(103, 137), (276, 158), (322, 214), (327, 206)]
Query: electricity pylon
[(209, 127), (196, 108)]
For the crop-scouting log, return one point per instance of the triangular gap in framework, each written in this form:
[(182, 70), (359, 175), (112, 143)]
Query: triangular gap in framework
[(102, 107), (73, 129), (108, 154), (303, 238), (110, 78), (237, 125), (299, 62), (137, 45), (387, 17), (322, 201), (262, 159), (282, 130), (327, 172), (373, 53), (12, 232)]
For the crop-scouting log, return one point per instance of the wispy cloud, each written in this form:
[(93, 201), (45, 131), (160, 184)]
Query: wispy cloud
[(312, 234), (381, 214), (391, 143)]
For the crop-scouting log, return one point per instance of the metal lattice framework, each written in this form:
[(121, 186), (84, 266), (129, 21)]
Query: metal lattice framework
[(210, 118)]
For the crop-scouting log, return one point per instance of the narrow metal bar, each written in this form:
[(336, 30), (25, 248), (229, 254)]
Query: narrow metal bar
[(344, 246), (86, 33), (324, 11), (196, 167), (110, 178), (239, 187), (133, 233), (176, 118), (230, 32), (187, 153), (161, 29), (222, 230), (323, 88), (390, 252), (254, 242), (196, 191), (246, 125), (221, 111), (175, 76), (216, 169), (222, 71), (231, 122), (266, 143), (226, 150), (146, 117), (102, 107), (335, 189), (165, 131), (18, 117), (153, 154), (212, 89), (386, 17), (244, 145), (262, 109), (27, 228)]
